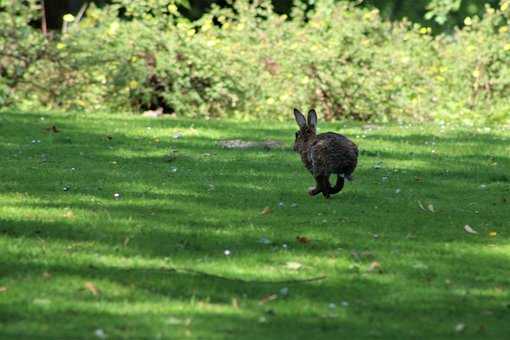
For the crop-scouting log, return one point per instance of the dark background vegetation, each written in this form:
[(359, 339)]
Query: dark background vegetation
[(435, 60), (414, 10)]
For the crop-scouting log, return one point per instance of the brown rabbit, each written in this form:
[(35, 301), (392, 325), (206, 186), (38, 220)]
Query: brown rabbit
[(324, 154)]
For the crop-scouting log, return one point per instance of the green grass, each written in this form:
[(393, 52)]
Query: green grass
[(156, 254)]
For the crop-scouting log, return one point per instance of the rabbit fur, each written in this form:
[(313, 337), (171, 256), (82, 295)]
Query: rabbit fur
[(324, 154)]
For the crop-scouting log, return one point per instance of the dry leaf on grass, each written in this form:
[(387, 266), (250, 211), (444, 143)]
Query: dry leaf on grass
[(52, 128), (293, 265), (3, 289), (302, 239), (69, 214), (470, 230), (268, 298), (375, 267), (430, 207), (493, 234), (100, 334), (235, 303), (460, 327), (92, 288), (266, 211)]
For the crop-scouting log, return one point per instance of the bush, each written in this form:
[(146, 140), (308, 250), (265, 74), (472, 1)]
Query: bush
[(250, 62)]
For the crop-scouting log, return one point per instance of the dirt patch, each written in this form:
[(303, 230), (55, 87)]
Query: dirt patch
[(242, 144)]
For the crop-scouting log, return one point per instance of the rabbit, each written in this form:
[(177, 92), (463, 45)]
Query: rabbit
[(324, 154)]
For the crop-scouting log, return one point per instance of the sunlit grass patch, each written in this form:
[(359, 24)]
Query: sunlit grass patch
[(100, 231)]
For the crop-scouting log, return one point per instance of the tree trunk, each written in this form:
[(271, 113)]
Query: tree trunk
[(55, 10)]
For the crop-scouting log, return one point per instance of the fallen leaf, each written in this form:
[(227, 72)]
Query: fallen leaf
[(460, 327), (100, 334), (92, 288), (470, 230), (69, 214), (375, 267), (420, 266), (493, 234), (293, 265), (174, 321), (46, 275), (265, 240), (266, 211), (268, 298), (53, 129), (302, 239), (3, 289), (430, 207)]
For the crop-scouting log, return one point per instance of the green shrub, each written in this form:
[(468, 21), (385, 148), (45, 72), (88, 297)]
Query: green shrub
[(21, 50), (250, 62)]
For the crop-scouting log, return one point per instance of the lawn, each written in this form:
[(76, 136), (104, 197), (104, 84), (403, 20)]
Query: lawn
[(102, 235)]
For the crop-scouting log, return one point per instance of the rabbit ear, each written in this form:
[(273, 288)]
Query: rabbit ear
[(312, 119), (300, 119)]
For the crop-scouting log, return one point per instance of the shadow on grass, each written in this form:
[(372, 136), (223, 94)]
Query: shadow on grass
[(374, 307), (213, 202)]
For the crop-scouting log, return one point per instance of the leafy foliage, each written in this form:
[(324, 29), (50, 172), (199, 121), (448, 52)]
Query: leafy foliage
[(248, 61)]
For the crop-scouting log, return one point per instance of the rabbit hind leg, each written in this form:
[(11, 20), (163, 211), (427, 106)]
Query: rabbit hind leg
[(321, 185), (326, 187), (338, 186)]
